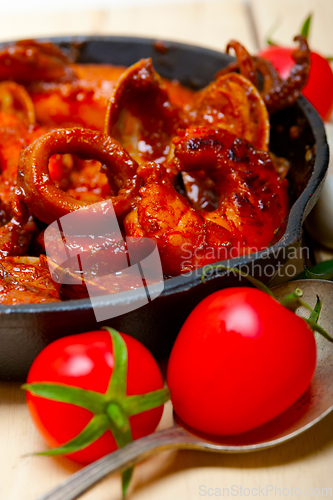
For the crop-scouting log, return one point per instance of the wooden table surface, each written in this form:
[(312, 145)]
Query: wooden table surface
[(305, 462)]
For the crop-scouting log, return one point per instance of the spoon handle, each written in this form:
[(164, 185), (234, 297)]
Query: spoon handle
[(79, 482)]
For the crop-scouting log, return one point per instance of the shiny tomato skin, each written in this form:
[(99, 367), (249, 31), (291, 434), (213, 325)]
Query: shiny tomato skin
[(86, 360), (319, 87), (239, 360)]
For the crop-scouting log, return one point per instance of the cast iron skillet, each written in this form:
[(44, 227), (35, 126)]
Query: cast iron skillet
[(26, 329)]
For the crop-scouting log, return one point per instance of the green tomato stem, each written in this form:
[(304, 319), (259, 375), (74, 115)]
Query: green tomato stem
[(118, 381), (111, 411), (317, 328), (95, 428), (293, 301), (90, 400), (316, 311), (117, 416), (143, 402), (126, 476)]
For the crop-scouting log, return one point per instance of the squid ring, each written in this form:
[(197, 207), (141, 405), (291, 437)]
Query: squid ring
[(11, 94), (45, 200)]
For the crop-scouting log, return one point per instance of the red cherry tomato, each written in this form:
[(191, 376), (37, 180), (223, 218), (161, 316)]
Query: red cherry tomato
[(319, 87), (86, 361), (240, 359)]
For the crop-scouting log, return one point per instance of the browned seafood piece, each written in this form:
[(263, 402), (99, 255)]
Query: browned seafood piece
[(276, 92), (15, 134), (244, 60), (14, 99), (47, 201), (140, 115), (233, 103), (252, 202), (63, 93), (26, 280), (27, 61), (184, 238), (5, 213), (16, 229), (86, 181), (200, 190), (81, 102), (251, 193), (288, 91)]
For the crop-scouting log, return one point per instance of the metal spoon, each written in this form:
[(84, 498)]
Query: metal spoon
[(314, 405)]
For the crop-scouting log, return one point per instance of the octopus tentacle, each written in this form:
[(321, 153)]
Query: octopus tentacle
[(48, 202), (276, 92), (271, 78), (288, 91), (28, 61), (244, 60)]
